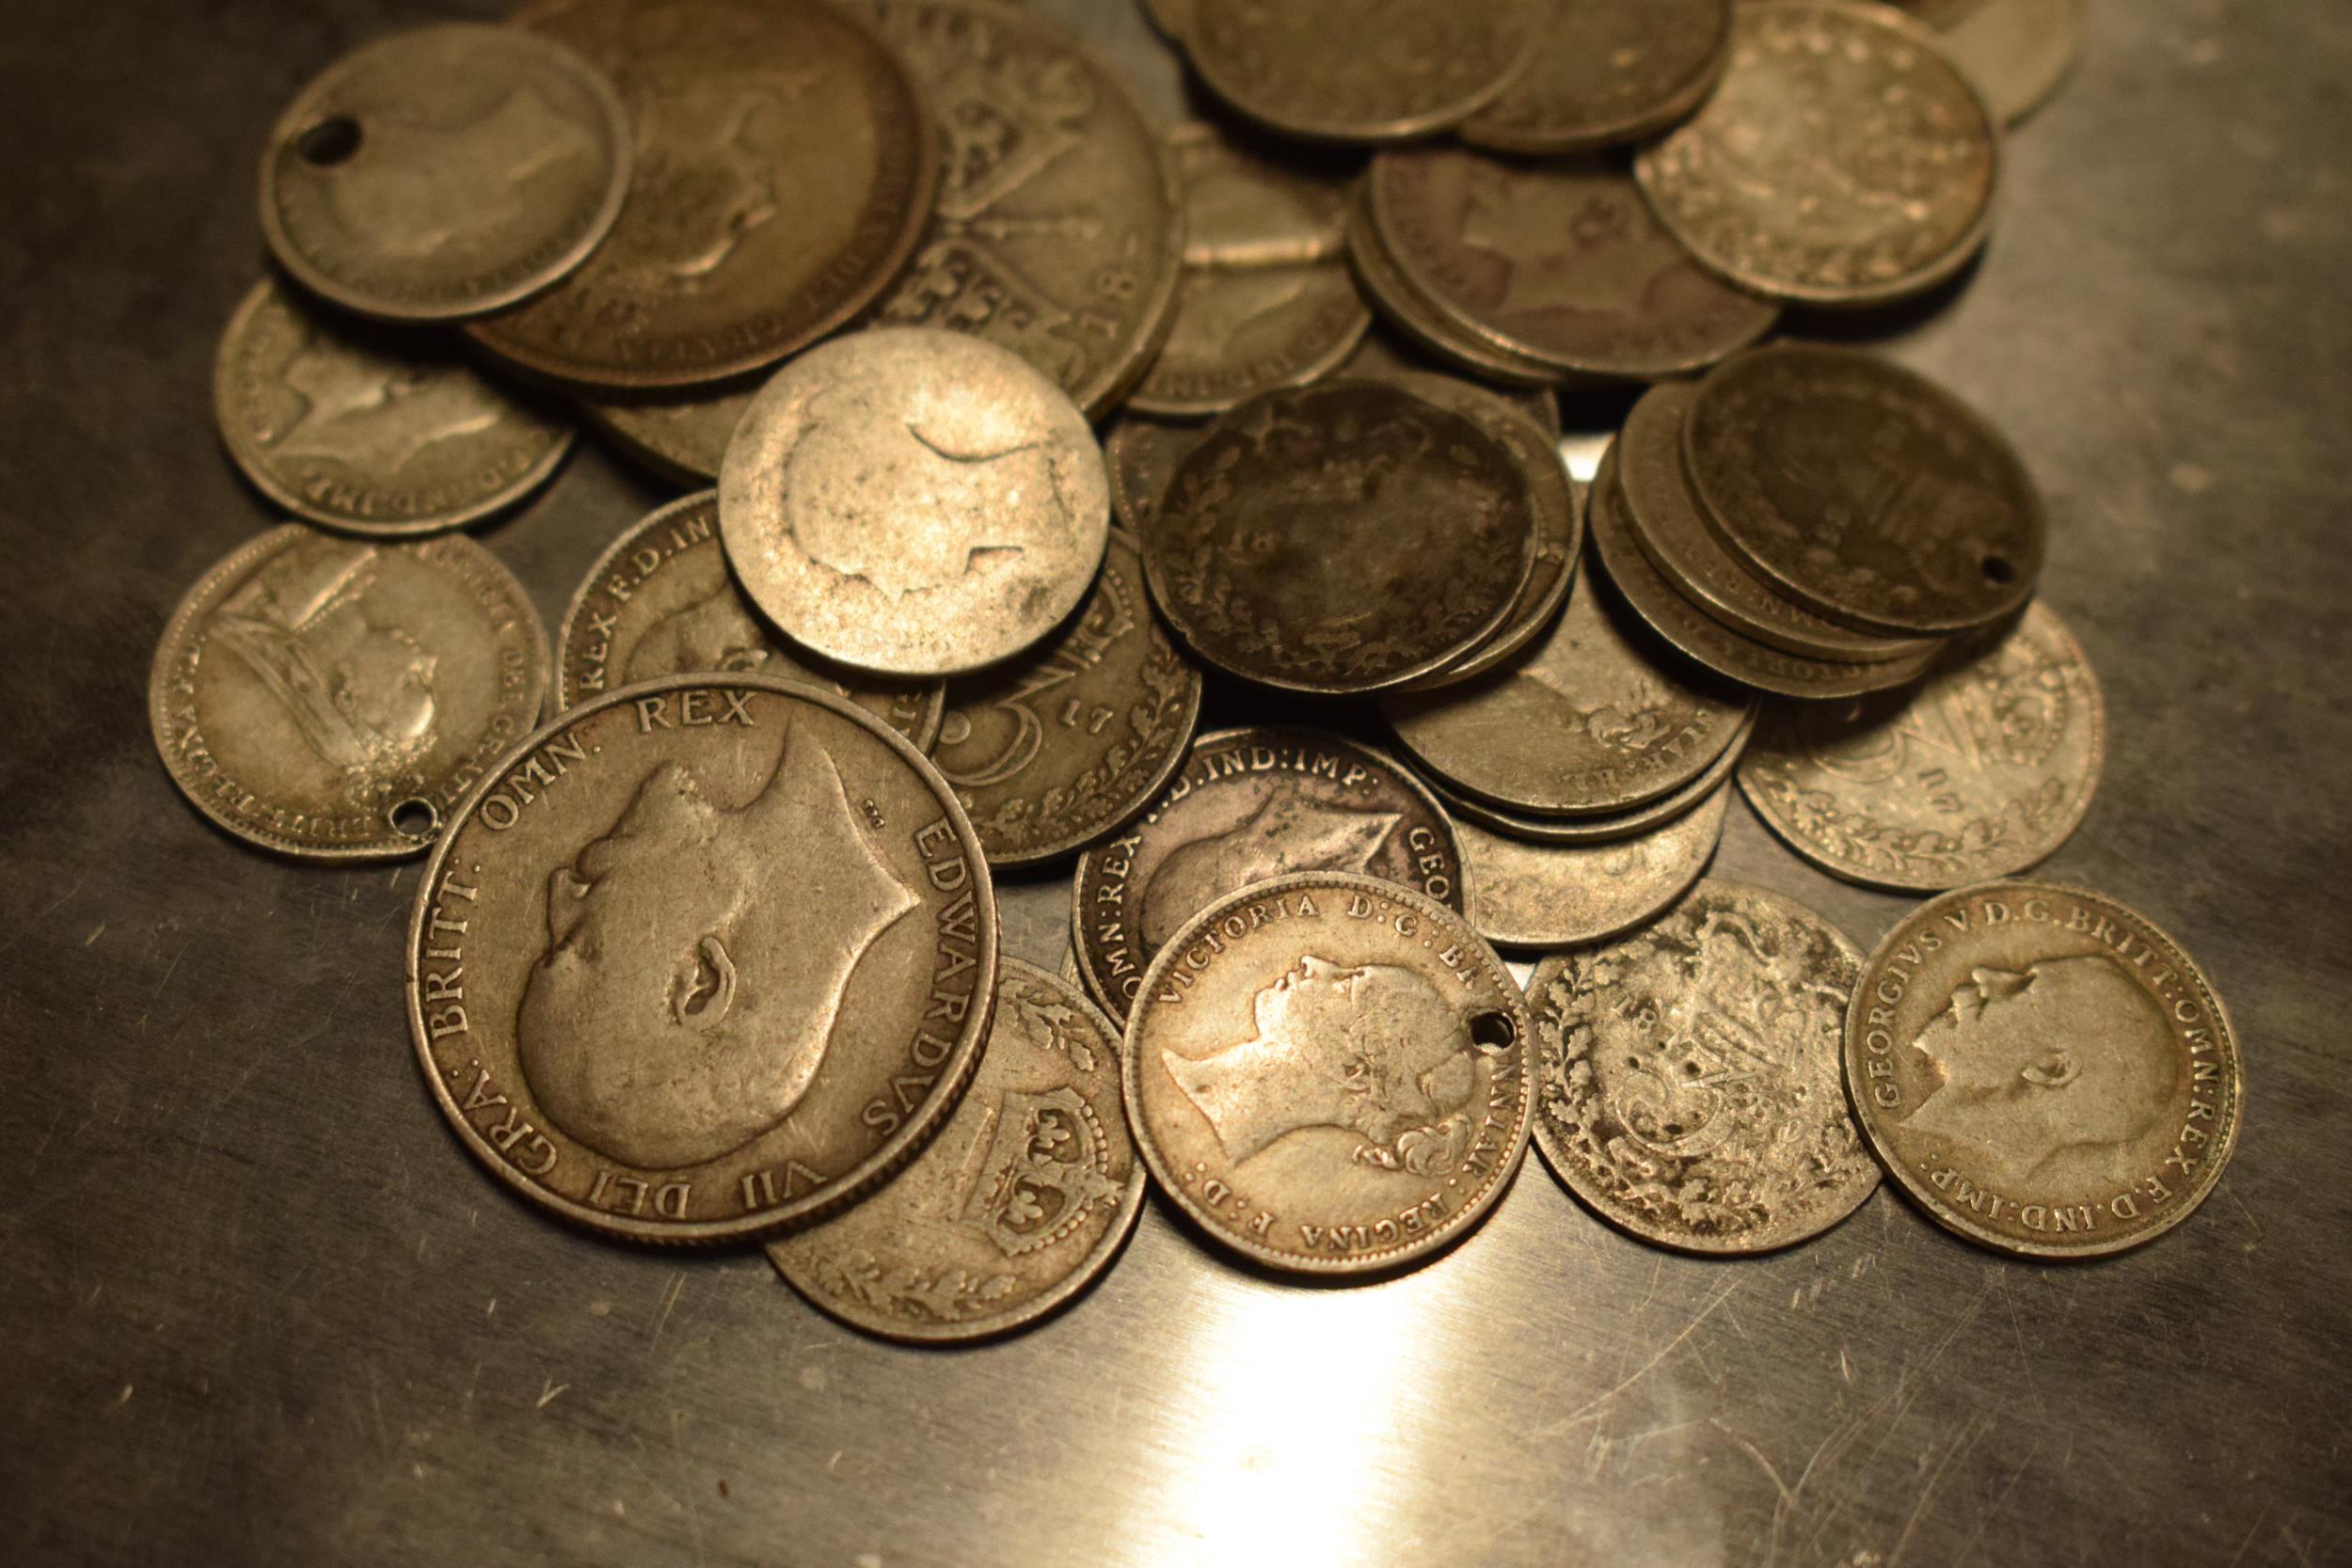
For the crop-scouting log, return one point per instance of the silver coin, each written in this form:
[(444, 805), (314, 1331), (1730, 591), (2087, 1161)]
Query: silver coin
[(1524, 895)]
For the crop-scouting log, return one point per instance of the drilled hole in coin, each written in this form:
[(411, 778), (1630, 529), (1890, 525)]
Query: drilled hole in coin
[(1492, 1029), (415, 818), (330, 142), (1997, 569)]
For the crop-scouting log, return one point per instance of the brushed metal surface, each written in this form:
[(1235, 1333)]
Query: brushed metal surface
[(258, 1307)]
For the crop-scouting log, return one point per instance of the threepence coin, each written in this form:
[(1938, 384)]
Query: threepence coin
[(1341, 538), (1979, 772), (1051, 750), (1139, 457), (785, 168), (703, 958), (913, 502), (1689, 1076), (2043, 1071), (1250, 805), (1530, 829), (1059, 232), (1330, 1074), (659, 601), (445, 172), (1022, 1199), (1606, 72), (1842, 161), (367, 433), (334, 699), (1359, 71), (1525, 895)]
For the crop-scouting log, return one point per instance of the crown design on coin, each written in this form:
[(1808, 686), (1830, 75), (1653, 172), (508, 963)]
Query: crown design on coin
[(1048, 1163), (1003, 121)]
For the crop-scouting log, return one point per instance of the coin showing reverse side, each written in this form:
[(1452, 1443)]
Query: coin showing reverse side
[(913, 502), (1059, 232), (1250, 805), (333, 699), (1341, 538), (1053, 750), (1330, 1074), (445, 172), (681, 437), (1606, 72), (1863, 491), (659, 601), (1842, 161), (1524, 895), (1022, 1199), (1585, 722), (1266, 299), (784, 167), (703, 958), (1980, 772), (2043, 1071), (1688, 1074), (1358, 70), (368, 433)]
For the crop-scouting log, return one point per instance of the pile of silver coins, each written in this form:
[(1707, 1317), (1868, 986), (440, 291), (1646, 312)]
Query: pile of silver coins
[(1183, 516)]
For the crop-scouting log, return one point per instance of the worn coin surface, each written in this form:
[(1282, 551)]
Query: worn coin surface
[(445, 172), (1330, 1074), (661, 601), (1266, 299), (1530, 828), (1585, 724), (369, 433), (333, 699), (1341, 538), (785, 168), (1020, 1201), (1249, 805), (913, 502), (1863, 491), (1139, 457), (1420, 321), (1708, 641), (1058, 230), (1977, 773), (1606, 71), (1051, 750), (2043, 1071), (1842, 161), (2016, 52), (703, 958), (1358, 70), (1524, 895), (1383, 356), (1668, 525), (681, 437), (1557, 262), (1689, 1076)]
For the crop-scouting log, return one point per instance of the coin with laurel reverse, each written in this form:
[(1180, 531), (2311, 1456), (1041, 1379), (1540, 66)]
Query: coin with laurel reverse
[(369, 432), (1022, 1199), (661, 601), (334, 699), (1330, 1074), (2043, 1071), (1606, 72), (703, 958), (1051, 750), (1687, 1075), (1358, 70)]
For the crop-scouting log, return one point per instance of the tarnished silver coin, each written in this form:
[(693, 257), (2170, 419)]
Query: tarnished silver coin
[(659, 601), (703, 958), (1527, 828), (367, 433), (913, 502), (1022, 1199), (2016, 52), (1525, 895), (1690, 1078), (1139, 457), (1584, 723), (1051, 750), (681, 436), (2043, 1071), (1358, 70), (334, 700), (1248, 805), (1606, 72), (1330, 1074), (1383, 356), (1420, 321), (445, 172), (1976, 773)]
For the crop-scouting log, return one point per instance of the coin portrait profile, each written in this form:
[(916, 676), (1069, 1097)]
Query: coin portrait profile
[(714, 632), (693, 973), (1377, 1051), (356, 409), (421, 187), (2070, 1054), (1285, 833)]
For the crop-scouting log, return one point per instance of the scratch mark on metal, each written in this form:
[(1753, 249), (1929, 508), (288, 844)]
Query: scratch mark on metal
[(552, 1392), (1599, 1402), (2259, 1519), (669, 1304)]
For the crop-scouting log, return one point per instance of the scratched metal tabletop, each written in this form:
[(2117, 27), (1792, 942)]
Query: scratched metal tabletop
[(257, 1307)]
